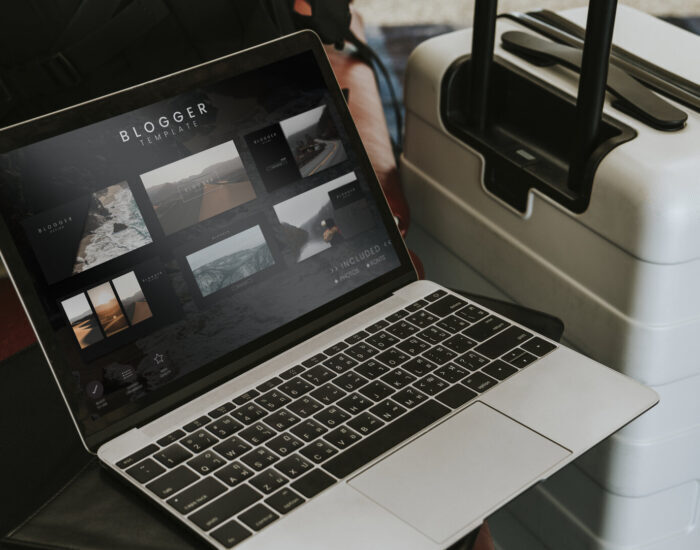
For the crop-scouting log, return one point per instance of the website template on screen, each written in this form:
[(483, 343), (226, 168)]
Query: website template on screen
[(168, 237)]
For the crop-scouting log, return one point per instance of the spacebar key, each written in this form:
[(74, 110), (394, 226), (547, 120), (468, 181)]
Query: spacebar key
[(386, 438)]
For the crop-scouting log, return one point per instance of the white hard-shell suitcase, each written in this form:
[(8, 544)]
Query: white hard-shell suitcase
[(614, 251)]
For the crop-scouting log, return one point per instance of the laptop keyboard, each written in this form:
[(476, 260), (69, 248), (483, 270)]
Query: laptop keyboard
[(249, 461)]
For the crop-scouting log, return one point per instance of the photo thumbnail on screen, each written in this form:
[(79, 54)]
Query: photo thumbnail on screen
[(323, 217), (82, 320), (133, 301), (230, 260), (87, 232), (198, 187), (108, 310)]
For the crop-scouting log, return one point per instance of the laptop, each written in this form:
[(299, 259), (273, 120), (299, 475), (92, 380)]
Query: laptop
[(234, 322)]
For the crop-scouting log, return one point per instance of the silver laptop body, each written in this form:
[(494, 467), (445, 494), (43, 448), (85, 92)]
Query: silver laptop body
[(234, 322)]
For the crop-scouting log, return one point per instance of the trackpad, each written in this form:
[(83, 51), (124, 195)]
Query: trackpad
[(464, 467)]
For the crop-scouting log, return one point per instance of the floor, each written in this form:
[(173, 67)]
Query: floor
[(459, 12)]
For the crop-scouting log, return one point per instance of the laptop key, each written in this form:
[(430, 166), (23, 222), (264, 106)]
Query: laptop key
[(422, 319), (269, 384), (357, 337), (413, 346), (257, 433), (479, 382), (172, 456), (221, 410), (524, 360), (249, 413), (402, 330), (342, 437), (198, 441), (452, 324), (372, 369), (486, 328), (305, 406), (284, 500), (350, 381), (340, 363), (197, 495), (538, 346), (259, 458), (387, 410), (313, 482), (365, 423), (318, 451), (398, 378), (272, 400), (459, 343), (281, 420), (234, 473), (499, 370), (294, 466), (232, 448), (315, 360), (435, 295), (431, 384), (439, 354), (296, 387), (247, 396), (206, 463), (376, 390), (224, 427), (446, 305), (196, 424), (318, 375), (384, 439), (258, 517), (455, 396), (231, 534), (451, 372), (172, 437), (502, 342), (472, 313), (308, 430), (396, 316), (376, 326), (146, 470), (268, 481), (284, 444), (433, 335), (409, 397), (382, 340), (332, 416), (172, 482), (512, 355), (393, 357), (335, 348), (418, 366), (354, 403), (471, 361), (361, 351), (327, 394), (227, 506), (415, 306), (292, 372)]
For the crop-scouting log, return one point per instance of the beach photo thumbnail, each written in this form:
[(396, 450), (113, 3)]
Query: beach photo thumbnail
[(198, 187), (231, 260), (314, 140), (131, 295), (108, 310), (82, 320), (323, 217)]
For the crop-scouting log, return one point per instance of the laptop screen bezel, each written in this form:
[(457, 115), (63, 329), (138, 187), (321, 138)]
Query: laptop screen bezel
[(273, 343)]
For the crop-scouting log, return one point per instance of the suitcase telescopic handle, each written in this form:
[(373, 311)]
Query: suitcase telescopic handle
[(591, 90)]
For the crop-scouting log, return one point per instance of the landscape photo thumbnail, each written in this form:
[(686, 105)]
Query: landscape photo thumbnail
[(231, 260), (114, 226), (314, 140), (108, 310), (82, 320), (131, 295), (198, 187)]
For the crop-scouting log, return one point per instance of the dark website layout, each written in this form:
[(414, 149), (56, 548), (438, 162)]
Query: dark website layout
[(168, 237)]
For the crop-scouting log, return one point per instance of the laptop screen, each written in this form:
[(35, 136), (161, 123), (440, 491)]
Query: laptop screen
[(173, 238)]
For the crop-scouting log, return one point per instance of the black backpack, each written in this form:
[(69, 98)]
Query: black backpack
[(58, 53)]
